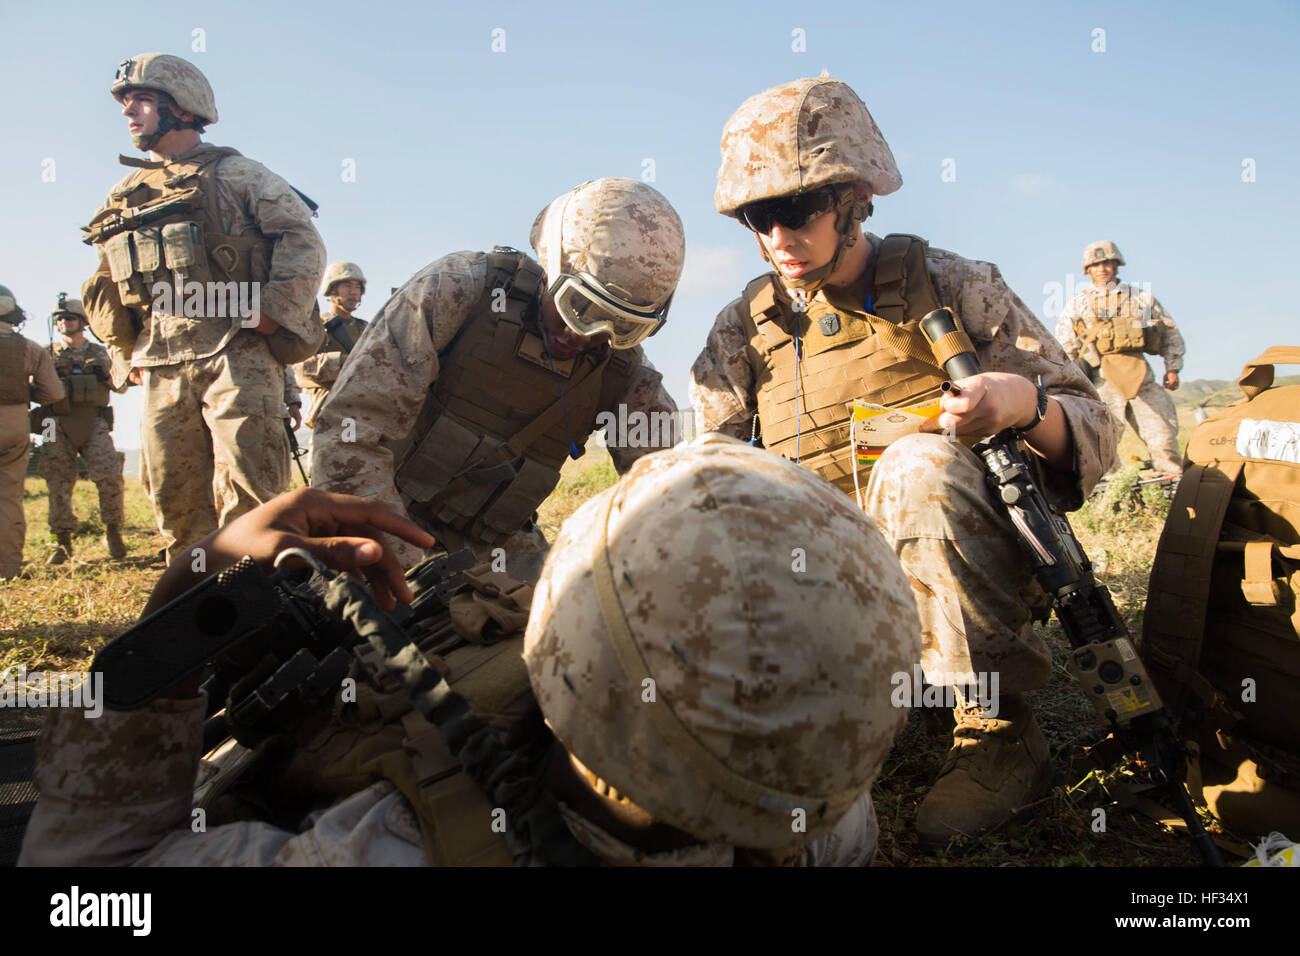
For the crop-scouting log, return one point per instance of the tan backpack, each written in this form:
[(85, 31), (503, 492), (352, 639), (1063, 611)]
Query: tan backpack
[(1221, 633)]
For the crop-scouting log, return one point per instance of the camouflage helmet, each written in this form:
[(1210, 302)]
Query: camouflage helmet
[(73, 307), (1103, 251), (626, 241), (337, 272), (179, 79), (8, 306), (714, 638), (797, 137)]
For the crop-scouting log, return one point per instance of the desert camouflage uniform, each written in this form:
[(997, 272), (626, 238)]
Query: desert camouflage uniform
[(318, 374), (15, 444), (386, 380), (1151, 411), (118, 790), (213, 422), (973, 587), (83, 432)]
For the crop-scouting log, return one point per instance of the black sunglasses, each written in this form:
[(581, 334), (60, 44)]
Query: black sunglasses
[(792, 212)]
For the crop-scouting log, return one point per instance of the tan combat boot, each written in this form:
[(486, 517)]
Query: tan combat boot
[(64, 550), (113, 538), (995, 765)]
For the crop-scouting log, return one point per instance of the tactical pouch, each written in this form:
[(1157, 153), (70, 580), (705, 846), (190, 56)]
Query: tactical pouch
[(121, 268), (518, 502), (182, 244), (147, 243), (86, 389), (437, 458)]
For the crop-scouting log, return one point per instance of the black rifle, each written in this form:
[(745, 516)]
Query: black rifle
[(296, 451), (1104, 659), (110, 222), (277, 652), (271, 648)]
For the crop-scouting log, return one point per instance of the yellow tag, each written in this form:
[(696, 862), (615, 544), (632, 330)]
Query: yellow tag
[(876, 427)]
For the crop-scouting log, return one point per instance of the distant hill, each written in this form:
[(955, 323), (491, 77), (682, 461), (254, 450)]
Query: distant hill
[(1216, 393)]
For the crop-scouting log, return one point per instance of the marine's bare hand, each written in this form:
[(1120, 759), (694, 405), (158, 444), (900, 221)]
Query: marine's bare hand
[(343, 531)]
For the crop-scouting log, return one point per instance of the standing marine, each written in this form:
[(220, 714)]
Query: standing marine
[(208, 264), (839, 321), (26, 375), (486, 371), (80, 425), (1109, 326), (344, 285)]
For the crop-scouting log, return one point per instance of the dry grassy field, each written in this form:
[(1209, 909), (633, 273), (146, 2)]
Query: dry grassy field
[(59, 616)]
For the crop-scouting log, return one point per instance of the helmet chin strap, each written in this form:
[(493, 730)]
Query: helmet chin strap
[(167, 121)]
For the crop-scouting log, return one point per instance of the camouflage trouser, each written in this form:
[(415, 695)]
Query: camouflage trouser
[(214, 438), (1152, 414), (973, 587), (58, 467), (14, 446)]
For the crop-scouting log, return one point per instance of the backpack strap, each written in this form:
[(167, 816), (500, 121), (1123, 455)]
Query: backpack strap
[(1174, 621)]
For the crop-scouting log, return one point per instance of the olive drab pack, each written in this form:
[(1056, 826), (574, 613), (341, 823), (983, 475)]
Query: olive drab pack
[(488, 444), (14, 386), (843, 353), (1221, 632), (381, 736), (162, 224)]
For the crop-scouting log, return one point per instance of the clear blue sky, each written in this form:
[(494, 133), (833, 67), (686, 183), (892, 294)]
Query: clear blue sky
[(458, 147)]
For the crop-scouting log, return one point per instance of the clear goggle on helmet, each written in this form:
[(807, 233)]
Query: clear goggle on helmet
[(588, 307)]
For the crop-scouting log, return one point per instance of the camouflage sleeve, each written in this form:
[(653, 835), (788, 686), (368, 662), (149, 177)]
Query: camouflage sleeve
[(298, 254), (113, 787), (646, 398), (321, 370), (46, 387), (722, 383), (1065, 332), (1172, 346), (381, 390), (1009, 338), (292, 395), (117, 790), (119, 361), (102, 357), (112, 322)]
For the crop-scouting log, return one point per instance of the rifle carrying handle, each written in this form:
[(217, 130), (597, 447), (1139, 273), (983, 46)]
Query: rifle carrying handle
[(1258, 374)]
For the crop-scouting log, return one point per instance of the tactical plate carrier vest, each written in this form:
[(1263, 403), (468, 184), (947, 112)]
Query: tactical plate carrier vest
[(163, 224), (84, 381), (1113, 323), (14, 387), (184, 233), (841, 355), (488, 444)]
